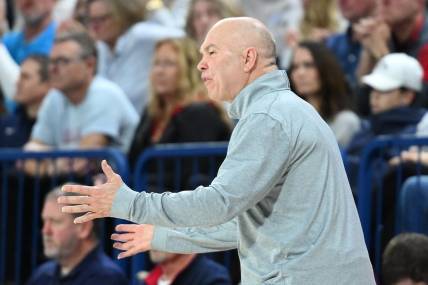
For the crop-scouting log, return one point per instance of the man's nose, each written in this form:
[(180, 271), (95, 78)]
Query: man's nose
[(202, 65)]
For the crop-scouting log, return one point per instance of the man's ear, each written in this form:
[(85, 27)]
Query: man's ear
[(249, 58), (85, 230), (408, 97)]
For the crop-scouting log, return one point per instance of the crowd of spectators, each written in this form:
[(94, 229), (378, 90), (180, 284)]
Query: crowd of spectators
[(86, 74)]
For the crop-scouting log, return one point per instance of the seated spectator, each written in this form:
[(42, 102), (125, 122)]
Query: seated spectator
[(185, 269), (125, 45), (316, 76), (33, 85), (320, 20), (203, 14), (175, 113), (401, 28), (395, 81), (76, 257), (405, 260), (36, 37), (347, 45), (38, 34), (78, 114)]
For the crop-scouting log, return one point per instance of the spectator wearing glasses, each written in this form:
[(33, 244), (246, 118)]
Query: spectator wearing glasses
[(126, 44), (78, 113)]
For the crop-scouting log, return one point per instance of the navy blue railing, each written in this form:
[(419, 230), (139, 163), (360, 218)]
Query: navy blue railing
[(15, 211), (370, 194), (169, 162)]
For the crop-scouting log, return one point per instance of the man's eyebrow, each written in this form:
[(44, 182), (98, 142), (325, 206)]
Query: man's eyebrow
[(207, 48)]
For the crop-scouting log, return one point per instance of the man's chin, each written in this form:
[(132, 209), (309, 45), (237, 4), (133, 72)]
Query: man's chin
[(51, 253)]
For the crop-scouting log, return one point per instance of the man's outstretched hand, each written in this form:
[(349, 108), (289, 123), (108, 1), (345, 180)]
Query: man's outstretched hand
[(132, 239), (94, 201)]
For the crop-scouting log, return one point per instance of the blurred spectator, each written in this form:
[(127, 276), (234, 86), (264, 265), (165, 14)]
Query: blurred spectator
[(401, 27), (126, 45), (346, 46), (395, 81), (38, 33), (316, 76), (36, 37), (76, 257), (33, 85), (185, 269), (78, 114), (320, 20), (279, 16), (405, 260), (170, 13), (176, 112), (203, 14)]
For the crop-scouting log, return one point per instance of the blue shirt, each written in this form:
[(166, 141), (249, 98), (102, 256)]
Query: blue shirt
[(20, 49), (15, 129), (105, 110), (95, 268), (347, 52)]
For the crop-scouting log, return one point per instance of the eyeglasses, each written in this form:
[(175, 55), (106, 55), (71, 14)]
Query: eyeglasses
[(63, 61), (98, 19)]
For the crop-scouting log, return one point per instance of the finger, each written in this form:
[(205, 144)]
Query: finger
[(108, 171), (83, 208), (86, 218), (131, 252), (126, 228), (123, 245), (80, 189), (122, 237), (73, 200)]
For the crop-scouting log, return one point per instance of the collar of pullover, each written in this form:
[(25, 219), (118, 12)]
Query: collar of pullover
[(265, 84)]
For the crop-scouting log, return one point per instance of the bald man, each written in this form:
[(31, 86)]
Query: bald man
[(281, 196)]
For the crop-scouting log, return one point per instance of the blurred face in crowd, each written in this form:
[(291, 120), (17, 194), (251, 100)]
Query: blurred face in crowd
[(205, 15), (69, 71), (160, 256), (387, 100), (30, 88), (34, 11), (102, 23), (397, 12), (165, 71), (60, 234), (354, 10), (304, 73)]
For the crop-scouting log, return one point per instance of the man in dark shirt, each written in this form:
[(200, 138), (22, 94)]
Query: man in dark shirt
[(185, 269), (76, 257), (32, 86)]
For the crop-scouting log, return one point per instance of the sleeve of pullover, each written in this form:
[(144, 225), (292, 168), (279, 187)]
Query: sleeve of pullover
[(257, 157), (196, 240)]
